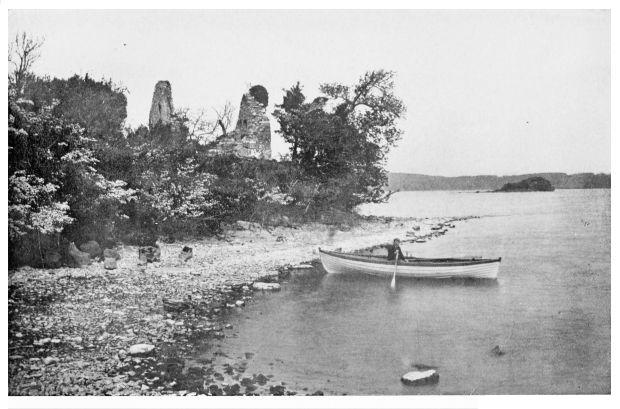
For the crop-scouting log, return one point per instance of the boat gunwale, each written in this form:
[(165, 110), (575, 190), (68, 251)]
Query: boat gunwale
[(412, 262)]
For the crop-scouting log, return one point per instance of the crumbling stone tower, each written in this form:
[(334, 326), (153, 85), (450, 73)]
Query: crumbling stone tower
[(252, 134), (161, 107)]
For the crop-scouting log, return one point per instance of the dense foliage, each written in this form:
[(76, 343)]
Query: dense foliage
[(69, 182), (341, 140), (76, 174), (53, 182)]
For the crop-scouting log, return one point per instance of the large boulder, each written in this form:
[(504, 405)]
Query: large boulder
[(111, 253), (91, 247), (109, 263), (79, 258), (149, 254), (186, 254)]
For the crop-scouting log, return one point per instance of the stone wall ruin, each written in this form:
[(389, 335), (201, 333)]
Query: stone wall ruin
[(161, 106), (252, 134)]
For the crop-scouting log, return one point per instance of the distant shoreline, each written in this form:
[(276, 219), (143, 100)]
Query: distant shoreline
[(417, 182)]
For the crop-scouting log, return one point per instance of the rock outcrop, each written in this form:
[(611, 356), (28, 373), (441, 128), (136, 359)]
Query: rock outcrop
[(535, 184), (91, 247), (161, 107), (79, 258), (252, 134)]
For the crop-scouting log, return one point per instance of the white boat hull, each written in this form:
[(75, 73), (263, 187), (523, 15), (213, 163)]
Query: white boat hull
[(338, 263)]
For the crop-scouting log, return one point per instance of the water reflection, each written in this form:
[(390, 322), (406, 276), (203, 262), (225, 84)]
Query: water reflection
[(404, 283)]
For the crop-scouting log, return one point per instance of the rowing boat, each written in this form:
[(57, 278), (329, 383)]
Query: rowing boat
[(335, 262)]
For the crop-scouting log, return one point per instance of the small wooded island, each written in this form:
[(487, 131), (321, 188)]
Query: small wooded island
[(535, 184)]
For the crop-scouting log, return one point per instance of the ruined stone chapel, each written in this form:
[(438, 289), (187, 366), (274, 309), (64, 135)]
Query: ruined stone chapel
[(252, 134)]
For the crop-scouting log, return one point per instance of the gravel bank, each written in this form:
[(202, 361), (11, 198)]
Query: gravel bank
[(71, 329)]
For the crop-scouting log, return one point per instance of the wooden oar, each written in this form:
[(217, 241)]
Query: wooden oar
[(393, 283)]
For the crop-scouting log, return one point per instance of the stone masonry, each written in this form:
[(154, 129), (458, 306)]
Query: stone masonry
[(161, 107), (252, 134)]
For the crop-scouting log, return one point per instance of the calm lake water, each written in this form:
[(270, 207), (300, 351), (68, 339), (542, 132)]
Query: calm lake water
[(549, 310)]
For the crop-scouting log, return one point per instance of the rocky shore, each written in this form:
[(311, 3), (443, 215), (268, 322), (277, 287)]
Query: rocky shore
[(134, 330)]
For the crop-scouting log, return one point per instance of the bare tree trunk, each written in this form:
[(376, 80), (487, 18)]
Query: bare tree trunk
[(39, 246), (294, 153), (23, 52), (221, 124)]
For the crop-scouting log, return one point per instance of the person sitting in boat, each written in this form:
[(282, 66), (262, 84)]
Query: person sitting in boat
[(394, 250)]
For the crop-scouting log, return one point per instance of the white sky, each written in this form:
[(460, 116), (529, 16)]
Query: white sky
[(487, 92)]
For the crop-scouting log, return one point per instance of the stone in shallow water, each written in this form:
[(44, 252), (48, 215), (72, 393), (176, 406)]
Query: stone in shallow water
[(420, 377), (302, 266), (266, 286), (497, 351)]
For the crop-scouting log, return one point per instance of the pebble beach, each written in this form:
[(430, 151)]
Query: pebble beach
[(131, 331)]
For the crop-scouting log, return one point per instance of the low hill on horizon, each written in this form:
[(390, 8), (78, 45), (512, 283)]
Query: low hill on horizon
[(414, 181)]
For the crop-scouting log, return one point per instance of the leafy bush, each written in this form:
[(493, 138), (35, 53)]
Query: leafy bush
[(32, 207), (54, 187)]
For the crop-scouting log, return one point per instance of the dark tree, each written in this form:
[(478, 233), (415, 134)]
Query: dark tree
[(99, 106), (288, 115), (343, 148)]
